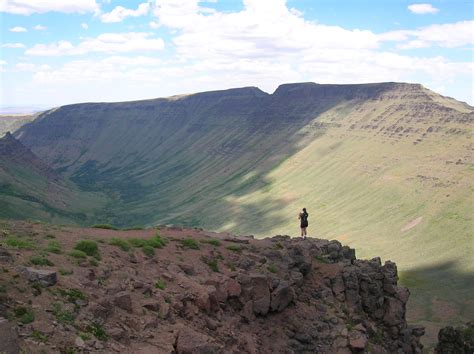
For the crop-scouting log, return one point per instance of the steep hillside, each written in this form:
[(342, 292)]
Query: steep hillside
[(189, 291), (10, 123), (386, 168), (30, 189)]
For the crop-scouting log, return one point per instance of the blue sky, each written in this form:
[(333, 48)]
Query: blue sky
[(55, 52)]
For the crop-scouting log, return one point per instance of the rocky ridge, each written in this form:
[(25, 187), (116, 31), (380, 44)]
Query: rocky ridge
[(196, 292)]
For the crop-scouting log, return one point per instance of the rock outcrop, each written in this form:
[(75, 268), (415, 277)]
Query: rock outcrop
[(459, 340), (276, 295)]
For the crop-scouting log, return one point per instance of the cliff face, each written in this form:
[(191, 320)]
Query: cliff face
[(200, 292)]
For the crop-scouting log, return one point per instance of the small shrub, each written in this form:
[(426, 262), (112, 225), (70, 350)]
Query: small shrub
[(213, 242), (122, 244), (272, 269), (104, 226), (63, 316), (234, 248), (148, 250), (39, 336), (89, 247), (72, 295), (78, 254), (212, 263), (50, 236), (64, 271), (97, 330), (93, 262), (41, 260), (160, 284), (156, 242), (53, 247), (190, 243), (24, 315), (18, 243), (85, 336), (137, 242)]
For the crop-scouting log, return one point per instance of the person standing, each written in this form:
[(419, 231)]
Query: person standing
[(303, 217)]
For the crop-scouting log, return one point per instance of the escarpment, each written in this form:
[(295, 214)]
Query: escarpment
[(177, 290)]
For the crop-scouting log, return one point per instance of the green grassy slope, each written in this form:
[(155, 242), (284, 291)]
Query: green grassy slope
[(386, 168), (31, 190)]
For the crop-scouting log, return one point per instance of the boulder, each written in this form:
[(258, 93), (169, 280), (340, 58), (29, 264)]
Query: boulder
[(281, 297), (357, 340), (123, 300), (45, 277), (394, 312), (233, 288), (260, 294), (456, 340), (9, 338), (190, 341)]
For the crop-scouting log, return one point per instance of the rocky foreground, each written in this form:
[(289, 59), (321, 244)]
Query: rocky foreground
[(175, 290)]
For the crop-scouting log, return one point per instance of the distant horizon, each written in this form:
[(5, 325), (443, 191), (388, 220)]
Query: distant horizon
[(35, 108)]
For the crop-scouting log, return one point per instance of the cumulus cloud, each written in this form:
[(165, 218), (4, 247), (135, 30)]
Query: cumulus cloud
[(119, 13), (18, 29), (106, 43), (13, 45), (28, 7), (422, 9), (263, 29), (449, 35), (39, 28), (85, 26)]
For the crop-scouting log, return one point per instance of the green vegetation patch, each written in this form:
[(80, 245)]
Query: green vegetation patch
[(122, 244), (160, 284), (190, 243), (62, 315), (23, 314), (53, 247), (78, 254), (64, 271), (89, 247), (41, 261), (234, 248), (272, 269), (40, 337), (97, 330), (18, 243), (148, 250), (72, 295), (213, 242)]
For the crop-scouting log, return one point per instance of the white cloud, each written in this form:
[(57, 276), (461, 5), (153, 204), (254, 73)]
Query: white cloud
[(106, 43), (3, 62), (85, 26), (32, 67), (18, 29), (422, 9), (13, 45), (28, 7), (447, 35), (154, 24), (119, 13), (40, 28)]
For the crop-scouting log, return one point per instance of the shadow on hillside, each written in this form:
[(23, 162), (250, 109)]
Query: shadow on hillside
[(441, 295), (453, 302)]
